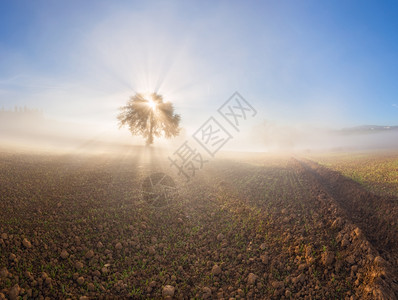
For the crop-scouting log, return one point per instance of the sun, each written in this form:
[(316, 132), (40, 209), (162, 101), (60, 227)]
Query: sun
[(152, 104)]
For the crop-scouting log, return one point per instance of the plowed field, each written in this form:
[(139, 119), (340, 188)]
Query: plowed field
[(79, 227)]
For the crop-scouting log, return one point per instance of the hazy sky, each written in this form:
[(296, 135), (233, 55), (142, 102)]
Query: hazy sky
[(330, 63)]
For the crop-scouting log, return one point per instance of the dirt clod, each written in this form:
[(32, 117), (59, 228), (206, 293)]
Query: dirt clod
[(14, 292), (327, 257), (118, 246), (251, 279), (80, 280), (26, 243), (216, 270), (89, 254), (3, 272), (168, 291), (64, 254)]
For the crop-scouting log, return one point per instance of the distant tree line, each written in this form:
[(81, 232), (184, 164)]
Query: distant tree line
[(21, 110), (20, 115)]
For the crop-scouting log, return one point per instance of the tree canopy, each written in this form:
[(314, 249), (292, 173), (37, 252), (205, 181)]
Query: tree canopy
[(149, 117)]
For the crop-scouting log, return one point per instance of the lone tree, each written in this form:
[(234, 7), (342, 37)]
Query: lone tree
[(149, 117)]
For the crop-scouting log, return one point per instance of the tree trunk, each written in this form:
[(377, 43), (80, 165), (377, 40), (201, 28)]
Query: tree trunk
[(149, 140)]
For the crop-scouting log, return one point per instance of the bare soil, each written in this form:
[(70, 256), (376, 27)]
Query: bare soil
[(79, 227)]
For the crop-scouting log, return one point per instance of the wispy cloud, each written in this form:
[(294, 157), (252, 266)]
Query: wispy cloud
[(395, 105)]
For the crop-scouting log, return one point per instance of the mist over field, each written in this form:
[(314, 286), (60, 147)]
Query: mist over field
[(30, 128), (276, 137)]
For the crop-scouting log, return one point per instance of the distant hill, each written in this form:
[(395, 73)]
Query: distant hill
[(366, 129)]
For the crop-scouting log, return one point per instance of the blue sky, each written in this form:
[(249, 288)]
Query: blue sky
[(326, 63)]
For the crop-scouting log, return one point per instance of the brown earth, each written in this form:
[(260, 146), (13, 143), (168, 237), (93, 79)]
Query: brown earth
[(78, 226)]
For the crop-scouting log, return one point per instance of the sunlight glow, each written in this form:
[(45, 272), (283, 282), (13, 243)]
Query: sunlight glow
[(151, 104)]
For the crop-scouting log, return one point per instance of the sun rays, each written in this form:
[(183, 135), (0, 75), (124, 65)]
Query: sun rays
[(152, 104)]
